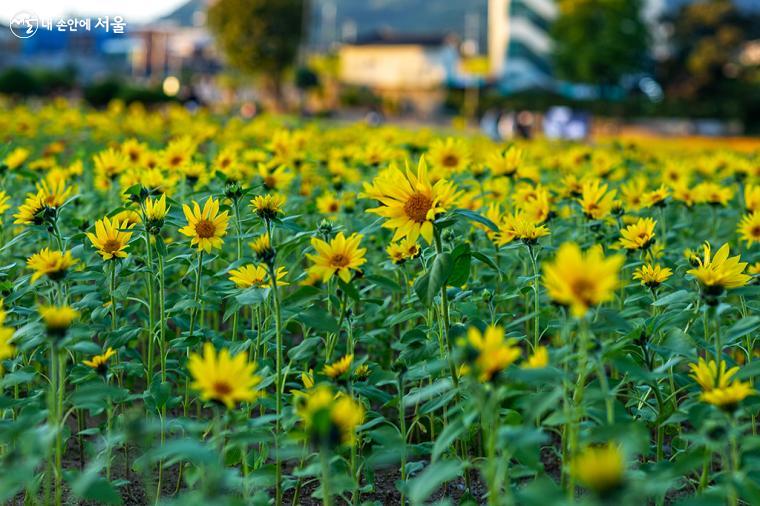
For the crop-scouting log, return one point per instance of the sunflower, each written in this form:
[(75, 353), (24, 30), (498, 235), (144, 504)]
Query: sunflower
[(639, 235), (262, 247), (580, 280), (16, 158), (4, 198), (718, 386), (50, 263), (493, 353), (714, 194), (251, 275), (538, 360), (450, 156), (656, 197), (223, 378), (328, 203), (278, 178), (155, 213), (340, 256), (410, 202), (505, 162), (749, 228), (111, 238), (7, 350), (403, 250), (596, 202), (329, 419), (57, 319), (599, 468), (206, 227), (340, 367), (752, 198), (100, 362), (719, 272), (268, 206), (32, 211), (651, 275)]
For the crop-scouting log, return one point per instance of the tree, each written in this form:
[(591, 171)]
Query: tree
[(599, 41), (706, 39), (259, 37)]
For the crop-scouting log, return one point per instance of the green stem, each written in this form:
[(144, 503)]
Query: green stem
[(324, 459), (536, 334), (278, 381), (149, 371)]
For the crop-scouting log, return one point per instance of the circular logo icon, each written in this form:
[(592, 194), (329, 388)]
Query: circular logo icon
[(24, 24)]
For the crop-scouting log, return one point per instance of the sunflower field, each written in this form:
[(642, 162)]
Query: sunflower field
[(201, 309)]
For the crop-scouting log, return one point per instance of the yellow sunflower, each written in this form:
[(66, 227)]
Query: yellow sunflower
[(111, 238), (599, 468), (223, 378), (638, 235), (410, 201), (100, 362), (651, 275), (580, 280), (206, 227), (494, 352), (719, 272), (50, 263), (250, 275), (339, 367), (749, 228), (340, 256)]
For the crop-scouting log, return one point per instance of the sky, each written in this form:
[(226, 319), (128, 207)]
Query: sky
[(135, 11)]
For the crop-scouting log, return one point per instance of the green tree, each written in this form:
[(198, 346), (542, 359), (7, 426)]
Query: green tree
[(706, 40), (259, 37), (599, 41)]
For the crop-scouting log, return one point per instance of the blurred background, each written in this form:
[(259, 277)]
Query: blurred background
[(510, 67)]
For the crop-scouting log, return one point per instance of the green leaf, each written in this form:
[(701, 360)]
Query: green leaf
[(453, 430), (742, 328), (476, 217), (429, 480), (460, 270), (429, 285), (427, 392), (384, 282), (673, 298), (253, 296), (317, 318)]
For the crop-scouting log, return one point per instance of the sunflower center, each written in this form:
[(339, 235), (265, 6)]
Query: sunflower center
[(270, 182), (583, 289), (417, 207), (175, 160), (205, 229), (755, 232), (222, 388), (339, 260), (111, 246), (450, 160)]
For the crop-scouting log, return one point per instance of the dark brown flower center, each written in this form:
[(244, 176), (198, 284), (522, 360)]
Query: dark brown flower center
[(450, 160), (222, 388), (583, 289), (755, 232), (339, 260), (111, 246), (417, 207), (205, 229)]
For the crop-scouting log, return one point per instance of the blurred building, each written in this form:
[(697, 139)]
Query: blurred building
[(519, 45), (401, 67)]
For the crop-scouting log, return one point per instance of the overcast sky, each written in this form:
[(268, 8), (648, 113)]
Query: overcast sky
[(131, 10)]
